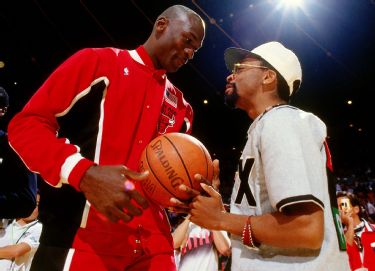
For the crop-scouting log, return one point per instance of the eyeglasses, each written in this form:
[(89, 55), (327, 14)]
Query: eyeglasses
[(240, 66)]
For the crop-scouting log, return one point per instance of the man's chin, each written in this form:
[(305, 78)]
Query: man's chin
[(172, 69), (231, 100)]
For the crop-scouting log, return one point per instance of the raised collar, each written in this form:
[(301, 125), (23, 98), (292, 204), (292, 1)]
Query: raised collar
[(147, 61)]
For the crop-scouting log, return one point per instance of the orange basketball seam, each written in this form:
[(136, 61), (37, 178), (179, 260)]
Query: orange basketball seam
[(182, 160), (205, 157), (156, 177)]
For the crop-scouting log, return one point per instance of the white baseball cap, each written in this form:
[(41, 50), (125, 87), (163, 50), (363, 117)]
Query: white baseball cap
[(283, 60)]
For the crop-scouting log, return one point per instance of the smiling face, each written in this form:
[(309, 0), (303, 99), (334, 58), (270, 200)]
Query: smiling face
[(177, 41)]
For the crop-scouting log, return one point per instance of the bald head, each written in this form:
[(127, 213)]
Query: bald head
[(180, 12), (177, 34)]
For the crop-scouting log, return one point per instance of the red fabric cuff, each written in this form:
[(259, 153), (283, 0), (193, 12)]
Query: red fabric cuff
[(78, 171)]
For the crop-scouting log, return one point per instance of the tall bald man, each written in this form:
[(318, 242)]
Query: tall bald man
[(84, 131)]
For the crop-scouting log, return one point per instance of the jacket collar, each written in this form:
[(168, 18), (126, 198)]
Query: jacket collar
[(140, 55)]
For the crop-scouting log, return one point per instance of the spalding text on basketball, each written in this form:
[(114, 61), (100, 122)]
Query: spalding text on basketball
[(176, 180)]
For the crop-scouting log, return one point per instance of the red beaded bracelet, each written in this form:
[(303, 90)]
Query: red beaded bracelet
[(247, 238)]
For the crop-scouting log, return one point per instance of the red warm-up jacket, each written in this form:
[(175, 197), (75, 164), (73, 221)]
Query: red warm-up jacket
[(101, 106)]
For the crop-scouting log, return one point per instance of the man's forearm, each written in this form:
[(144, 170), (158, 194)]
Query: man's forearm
[(280, 230), (14, 251)]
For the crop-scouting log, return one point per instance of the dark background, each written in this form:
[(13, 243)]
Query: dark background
[(334, 40)]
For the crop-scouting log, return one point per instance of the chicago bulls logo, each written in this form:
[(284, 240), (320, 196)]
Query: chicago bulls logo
[(168, 112)]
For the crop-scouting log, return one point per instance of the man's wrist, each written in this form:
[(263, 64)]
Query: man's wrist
[(79, 172), (223, 222)]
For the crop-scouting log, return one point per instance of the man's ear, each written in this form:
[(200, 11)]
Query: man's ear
[(269, 80), (161, 24), (269, 77)]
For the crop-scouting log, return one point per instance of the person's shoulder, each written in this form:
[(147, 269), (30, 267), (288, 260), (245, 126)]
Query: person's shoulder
[(280, 113), (35, 226), (286, 116), (112, 50), (295, 113), (286, 110), (100, 51), (38, 226)]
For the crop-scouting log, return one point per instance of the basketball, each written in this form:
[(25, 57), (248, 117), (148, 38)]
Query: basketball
[(173, 159)]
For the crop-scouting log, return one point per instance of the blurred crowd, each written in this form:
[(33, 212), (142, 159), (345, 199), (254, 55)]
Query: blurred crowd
[(363, 186)]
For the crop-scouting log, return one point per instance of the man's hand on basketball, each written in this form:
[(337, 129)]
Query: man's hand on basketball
[(110, 191), (179, 206), (215, 177), (183, 207), (207, 211)]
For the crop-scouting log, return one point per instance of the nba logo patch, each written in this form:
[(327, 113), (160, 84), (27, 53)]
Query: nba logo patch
[(126, 71)]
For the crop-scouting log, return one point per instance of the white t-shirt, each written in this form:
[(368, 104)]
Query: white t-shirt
[(199, 252), (284, 163), (16, 234)]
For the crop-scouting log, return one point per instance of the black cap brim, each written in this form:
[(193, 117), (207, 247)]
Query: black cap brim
[(233, 55)]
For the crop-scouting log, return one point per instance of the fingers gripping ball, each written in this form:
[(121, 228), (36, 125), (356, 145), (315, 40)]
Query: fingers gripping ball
[(173, 159)]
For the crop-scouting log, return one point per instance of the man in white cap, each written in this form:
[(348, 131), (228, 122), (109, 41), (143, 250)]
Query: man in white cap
[(280, 216)]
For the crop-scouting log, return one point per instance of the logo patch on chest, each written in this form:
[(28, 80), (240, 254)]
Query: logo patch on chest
[(168, 112)]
